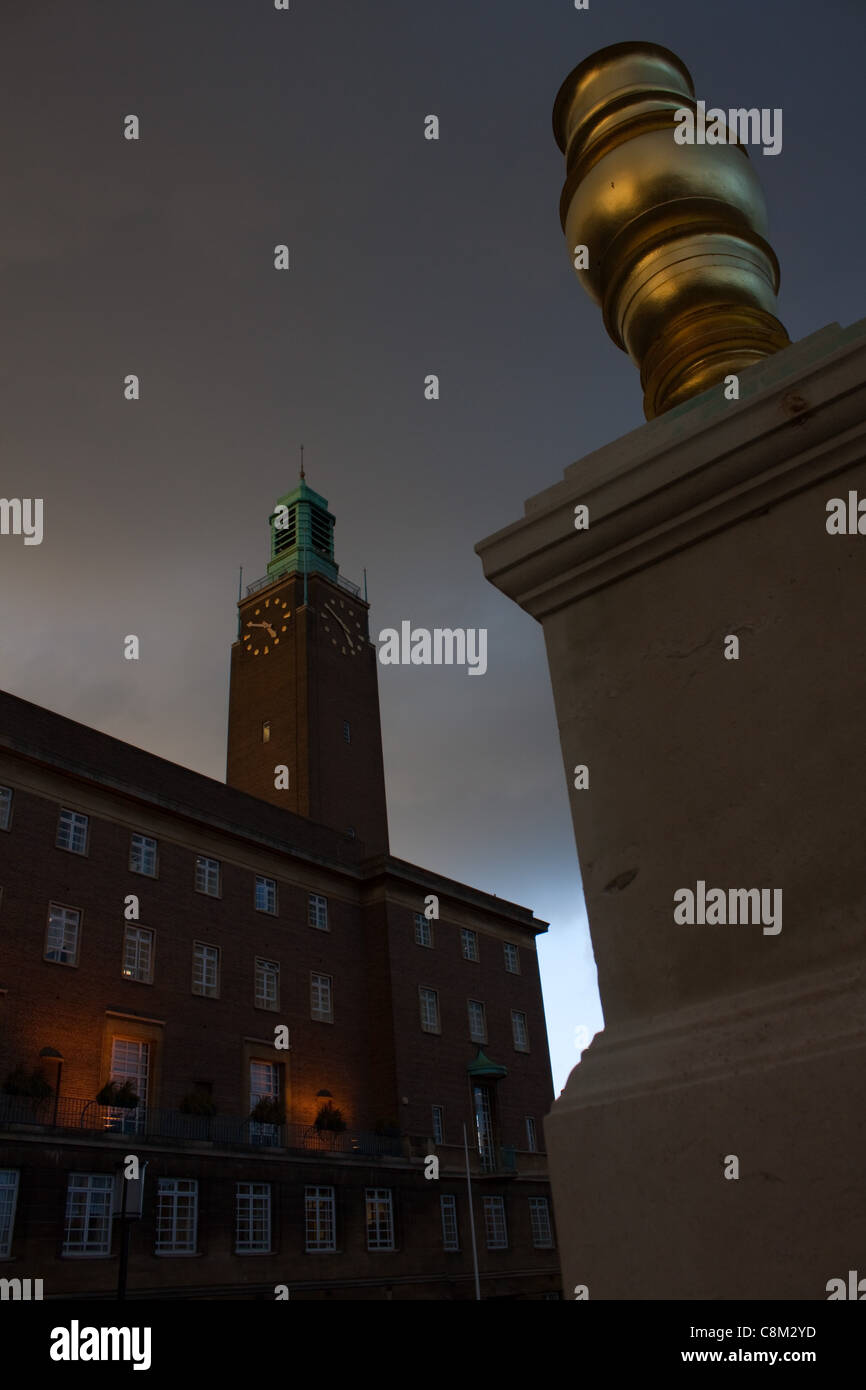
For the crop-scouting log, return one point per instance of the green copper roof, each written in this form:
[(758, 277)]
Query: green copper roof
[(482, 1066), (302, 534)]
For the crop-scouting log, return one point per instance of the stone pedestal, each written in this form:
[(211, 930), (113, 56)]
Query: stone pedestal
[(739, 1040)]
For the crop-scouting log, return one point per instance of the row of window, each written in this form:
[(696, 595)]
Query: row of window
[(468, 943), (431, 1021), (72, 835), (88, 1219), (62, 943)]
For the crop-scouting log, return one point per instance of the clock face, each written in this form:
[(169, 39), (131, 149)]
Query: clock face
[(269, 622), (343, 628)]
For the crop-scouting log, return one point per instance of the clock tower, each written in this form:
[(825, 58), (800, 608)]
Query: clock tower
[(304, 729)]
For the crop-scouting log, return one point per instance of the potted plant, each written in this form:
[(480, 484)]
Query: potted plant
[(118, 1093), (268, 1111), (33, 1085), (331, 1119)]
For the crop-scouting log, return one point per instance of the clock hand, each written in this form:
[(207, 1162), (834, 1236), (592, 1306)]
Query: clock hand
[(338, 619)]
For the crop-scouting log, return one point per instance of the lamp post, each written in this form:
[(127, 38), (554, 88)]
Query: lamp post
[(127, 1203)]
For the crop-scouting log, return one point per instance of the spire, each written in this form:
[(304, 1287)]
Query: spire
[(303, 474)]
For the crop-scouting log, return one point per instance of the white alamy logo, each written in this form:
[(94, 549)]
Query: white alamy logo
[(734, 906), (20, 1289), (738, 125), (22, 516), (76, 1343), (444, 646)]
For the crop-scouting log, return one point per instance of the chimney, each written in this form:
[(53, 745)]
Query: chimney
[(674, 233)]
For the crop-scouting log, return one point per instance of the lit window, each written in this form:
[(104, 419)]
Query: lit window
[(450, 1238), (317, 912), (320, 1219), (477, 1021), (61, 939), (205, 970), (8, 1199), (176, 1216), (495, 1229), (137, 954), (252, 1218), (267, 984), (87, 1227), (380, 1219), (266, 731), (512, 958), (469, 940), (423, 930), (207, 876), (429, 1000), (266, 895), (5, 808), (72, 832), (539, 1217), (531, 1140), (438, 1124), (320, 998), (264, 1085), (130, 1063), (142, 855), (519, 1032)]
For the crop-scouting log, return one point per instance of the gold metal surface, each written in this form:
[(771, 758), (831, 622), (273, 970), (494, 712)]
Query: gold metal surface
[(675, 233)]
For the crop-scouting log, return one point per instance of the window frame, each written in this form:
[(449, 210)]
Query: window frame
[(129, 927), (382, 1200), (541, 1204), (510, 946), (249, 1245), (136, 835), (428, 989), (467, 932), (52, 960), (450, 1240), (268, 911), (103, 1184), (495, 1204), (314, 1203), (317, 1014), (438, 1122), (474, 1036), (317, 905), (8, 1209), (520, 1046), (170, 1187), (425, 927), (206, 946), (78, 816), (206, 892), (6, 805), (274, 973)]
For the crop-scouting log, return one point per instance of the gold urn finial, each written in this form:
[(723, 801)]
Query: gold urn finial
[(674, 233)]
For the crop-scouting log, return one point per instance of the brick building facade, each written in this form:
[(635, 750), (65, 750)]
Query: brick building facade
[(217, 953)]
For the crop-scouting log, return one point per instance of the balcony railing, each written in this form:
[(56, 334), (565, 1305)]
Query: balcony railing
[(268, 579), (72, 1113)]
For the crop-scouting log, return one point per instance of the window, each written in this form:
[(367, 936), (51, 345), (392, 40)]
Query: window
[(317, 912), (266, 731), (267, 984), (539, 1217), (205, 970), (429, 1010), (518, 1030), (423, 930), (495, 1229), (176, 1216), (438, 1124), (512, 958), (264, 1085), (485, 1131), (252, 1218), (469, 940), (87, 1228), (130, 1061), (320, 1219), (477, 1021), (8, 1199), (137, 954), (351, 832), (380, 1219), (321, 1006), (5, 808), (266, 895), (72, 832), (347, 731), (207, 876), (61, 938), (531, 1140), (142, 855), (450, 1238)]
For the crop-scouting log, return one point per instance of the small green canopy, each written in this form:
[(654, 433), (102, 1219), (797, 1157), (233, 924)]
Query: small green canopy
[(482, 1066)]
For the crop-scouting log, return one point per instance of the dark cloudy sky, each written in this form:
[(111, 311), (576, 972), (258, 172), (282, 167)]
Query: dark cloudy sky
[(407, 257)]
